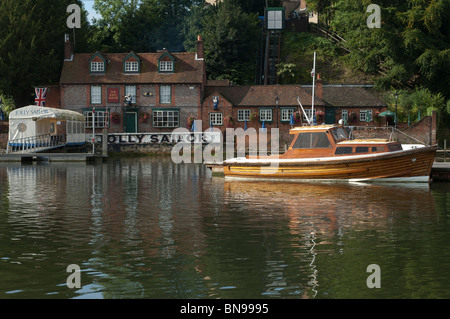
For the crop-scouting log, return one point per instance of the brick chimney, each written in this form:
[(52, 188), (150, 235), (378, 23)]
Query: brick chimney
[(68, 48), (318, 89), (200, 48)]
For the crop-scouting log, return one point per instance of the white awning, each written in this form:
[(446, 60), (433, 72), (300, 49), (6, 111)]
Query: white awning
[(40, 112)]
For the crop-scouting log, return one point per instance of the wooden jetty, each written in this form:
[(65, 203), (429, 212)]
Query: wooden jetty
[(51, 157)]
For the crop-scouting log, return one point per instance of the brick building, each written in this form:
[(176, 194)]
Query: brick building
[(134, 92)]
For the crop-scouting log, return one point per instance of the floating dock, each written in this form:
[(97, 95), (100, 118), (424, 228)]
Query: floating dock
[(51, 157)]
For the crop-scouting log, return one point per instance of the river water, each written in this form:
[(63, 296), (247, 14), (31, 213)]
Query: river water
[(148, 228)]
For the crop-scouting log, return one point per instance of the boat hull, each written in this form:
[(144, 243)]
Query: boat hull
[(412, 165)]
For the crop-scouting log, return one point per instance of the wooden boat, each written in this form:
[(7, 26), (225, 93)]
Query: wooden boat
[(326, 152)]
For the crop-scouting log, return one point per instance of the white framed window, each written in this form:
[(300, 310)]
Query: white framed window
[(308, 113), (101, 119), (215, 119), (365, 115), (265, 115), (243, 115), (345, 116), (96, 94), (165, 66), (130, 90), (286, 115), (166, 118), (97, 66), (131, 66), (165, 94)]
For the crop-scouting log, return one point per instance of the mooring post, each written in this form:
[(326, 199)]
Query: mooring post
[(105, 142)]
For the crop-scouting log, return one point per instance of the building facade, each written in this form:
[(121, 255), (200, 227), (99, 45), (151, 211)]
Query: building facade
[(134, 92)]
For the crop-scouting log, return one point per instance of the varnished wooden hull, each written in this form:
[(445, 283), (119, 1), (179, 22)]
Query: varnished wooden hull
[(409, 165)]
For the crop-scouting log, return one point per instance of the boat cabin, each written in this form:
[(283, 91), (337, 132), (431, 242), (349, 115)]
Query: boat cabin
[(36, 128), (331, 141)]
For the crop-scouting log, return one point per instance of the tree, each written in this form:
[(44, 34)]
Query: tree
[(140, 25), (31, 45), (412, 47), (230, 37)]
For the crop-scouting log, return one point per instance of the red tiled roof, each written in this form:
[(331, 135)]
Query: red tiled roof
[(264, 95), (351, 96), (187, 69)]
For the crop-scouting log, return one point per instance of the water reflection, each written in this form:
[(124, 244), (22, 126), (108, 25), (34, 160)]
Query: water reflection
[(147, 228)]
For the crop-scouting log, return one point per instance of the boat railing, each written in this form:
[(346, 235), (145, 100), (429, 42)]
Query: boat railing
[(36, 143), (390, 133)]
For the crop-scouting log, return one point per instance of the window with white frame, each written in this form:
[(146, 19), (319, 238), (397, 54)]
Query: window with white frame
[(101, 118), (308, 112), (216, 119), (265, 115), (164, 94), (166, 118), (243, 115), (286, 114), (97, 66), (345, 116), (365, 115), (131, 66), (130, 90), (165, 66), (96, 94)]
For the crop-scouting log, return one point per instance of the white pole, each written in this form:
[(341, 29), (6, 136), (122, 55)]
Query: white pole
[(313, 73), (93, 130)]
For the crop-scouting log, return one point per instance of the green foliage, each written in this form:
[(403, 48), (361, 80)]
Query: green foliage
[(31, 45), (417, 103), (230, 37), (140, 25), (412, 47)]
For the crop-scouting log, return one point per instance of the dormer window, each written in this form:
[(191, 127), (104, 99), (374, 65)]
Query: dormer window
[(131, 63), (166, 66), (166, 63), (131, 67), (97, 67), (97, 64)]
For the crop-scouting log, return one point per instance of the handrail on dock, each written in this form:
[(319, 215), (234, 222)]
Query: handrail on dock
[(35, 143)]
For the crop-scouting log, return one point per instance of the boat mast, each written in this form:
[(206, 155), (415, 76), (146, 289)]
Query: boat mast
[(313, 74)]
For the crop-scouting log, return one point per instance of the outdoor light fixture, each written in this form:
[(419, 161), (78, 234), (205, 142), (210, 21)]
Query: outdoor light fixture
[(148, 93)]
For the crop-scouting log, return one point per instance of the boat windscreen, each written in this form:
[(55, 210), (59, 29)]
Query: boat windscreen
[(339, 133), (312, 140)]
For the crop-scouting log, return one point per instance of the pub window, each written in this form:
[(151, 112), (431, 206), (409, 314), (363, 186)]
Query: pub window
[(97, 66), (243, 115), (166, 118), (130, 90), (265, 115), (131, 66), (216, 119), (96, 94), (164, 94), (166, 66), (286, 114), (101, 119)]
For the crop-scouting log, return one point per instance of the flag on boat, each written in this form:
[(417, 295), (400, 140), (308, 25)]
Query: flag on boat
[(263, 126), (41, 95), (292, 119), (193, 128), (245, 125)]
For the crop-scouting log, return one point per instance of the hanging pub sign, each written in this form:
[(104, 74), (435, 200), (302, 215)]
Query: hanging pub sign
[(113, 95)]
